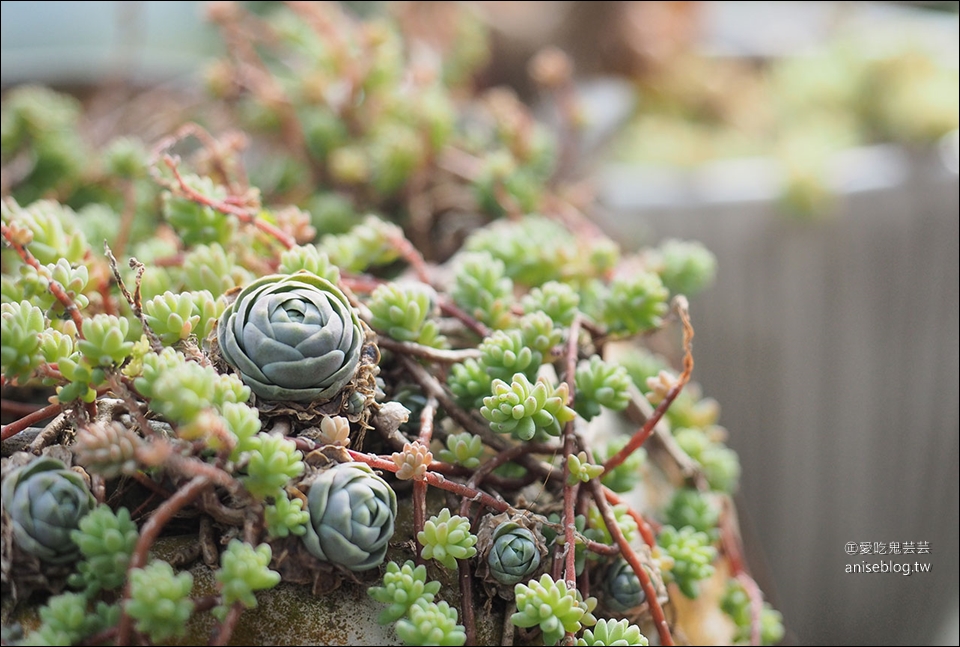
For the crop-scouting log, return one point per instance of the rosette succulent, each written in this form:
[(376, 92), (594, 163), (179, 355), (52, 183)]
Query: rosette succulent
[(45, 502), (352, 513), (622, 587), (292, 337), (514, 554)]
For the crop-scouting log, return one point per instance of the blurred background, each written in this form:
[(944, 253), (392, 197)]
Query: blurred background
[(813, 148)]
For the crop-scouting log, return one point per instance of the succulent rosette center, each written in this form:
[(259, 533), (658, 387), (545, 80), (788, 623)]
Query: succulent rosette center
[(292, 337)]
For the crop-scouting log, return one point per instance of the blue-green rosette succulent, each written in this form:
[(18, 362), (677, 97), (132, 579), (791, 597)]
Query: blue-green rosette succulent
[(514, 554), (352, 513), (292, 337), (45, 502)]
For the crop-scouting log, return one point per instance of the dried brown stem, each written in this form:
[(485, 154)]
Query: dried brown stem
[(466, 601), (439, 355)]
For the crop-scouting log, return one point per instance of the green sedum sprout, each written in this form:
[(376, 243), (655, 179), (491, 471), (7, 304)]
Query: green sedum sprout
[(106, 540), (271, 466), (402, 311), (243, 571), (580, 470), (66, 620), (525, 410), (21, 325), (104, 340), (612, 632), (431, 623), (285, 517), (736, 604), (625, 476), (555, 608), (447, 538), (310, 259), (482, 289), (506, 352), (692, 554), (690, 507), (463, 449), (634, 305), (686, 267), (470, 383), (160, 600), (557, 300), (600, 384), (402, 587), (626, 523)]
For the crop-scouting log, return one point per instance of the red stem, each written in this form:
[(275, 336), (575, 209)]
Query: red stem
[(630, 555), (437, 480), (14, 428), (641, 435), (646, 531), (241, 213)]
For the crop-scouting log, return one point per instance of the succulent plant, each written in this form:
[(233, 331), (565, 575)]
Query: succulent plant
[(45, 502), (514, 554), (402, 587), (431, 623), (292, 337), (107, 448), (352, 513), (285, 517), (106, 540), (22, 324), (737, 604), (600, 384), (464, 449), (447, 538), (160, 600), (412, 461), (580, 470), (244, 570), (622, 587), (613, 632), (523, 409), (692, 554), (552, 606)]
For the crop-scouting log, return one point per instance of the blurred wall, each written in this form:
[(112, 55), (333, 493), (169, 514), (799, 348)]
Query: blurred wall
[(832, 347)]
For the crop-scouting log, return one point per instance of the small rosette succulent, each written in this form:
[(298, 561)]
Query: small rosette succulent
[(45, 502), (292, 337), (514, 554), (352, 513), (552, 606), (622, 586)]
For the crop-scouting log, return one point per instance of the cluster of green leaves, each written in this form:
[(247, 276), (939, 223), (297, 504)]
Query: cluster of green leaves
[(736, 604), (409, 599)]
